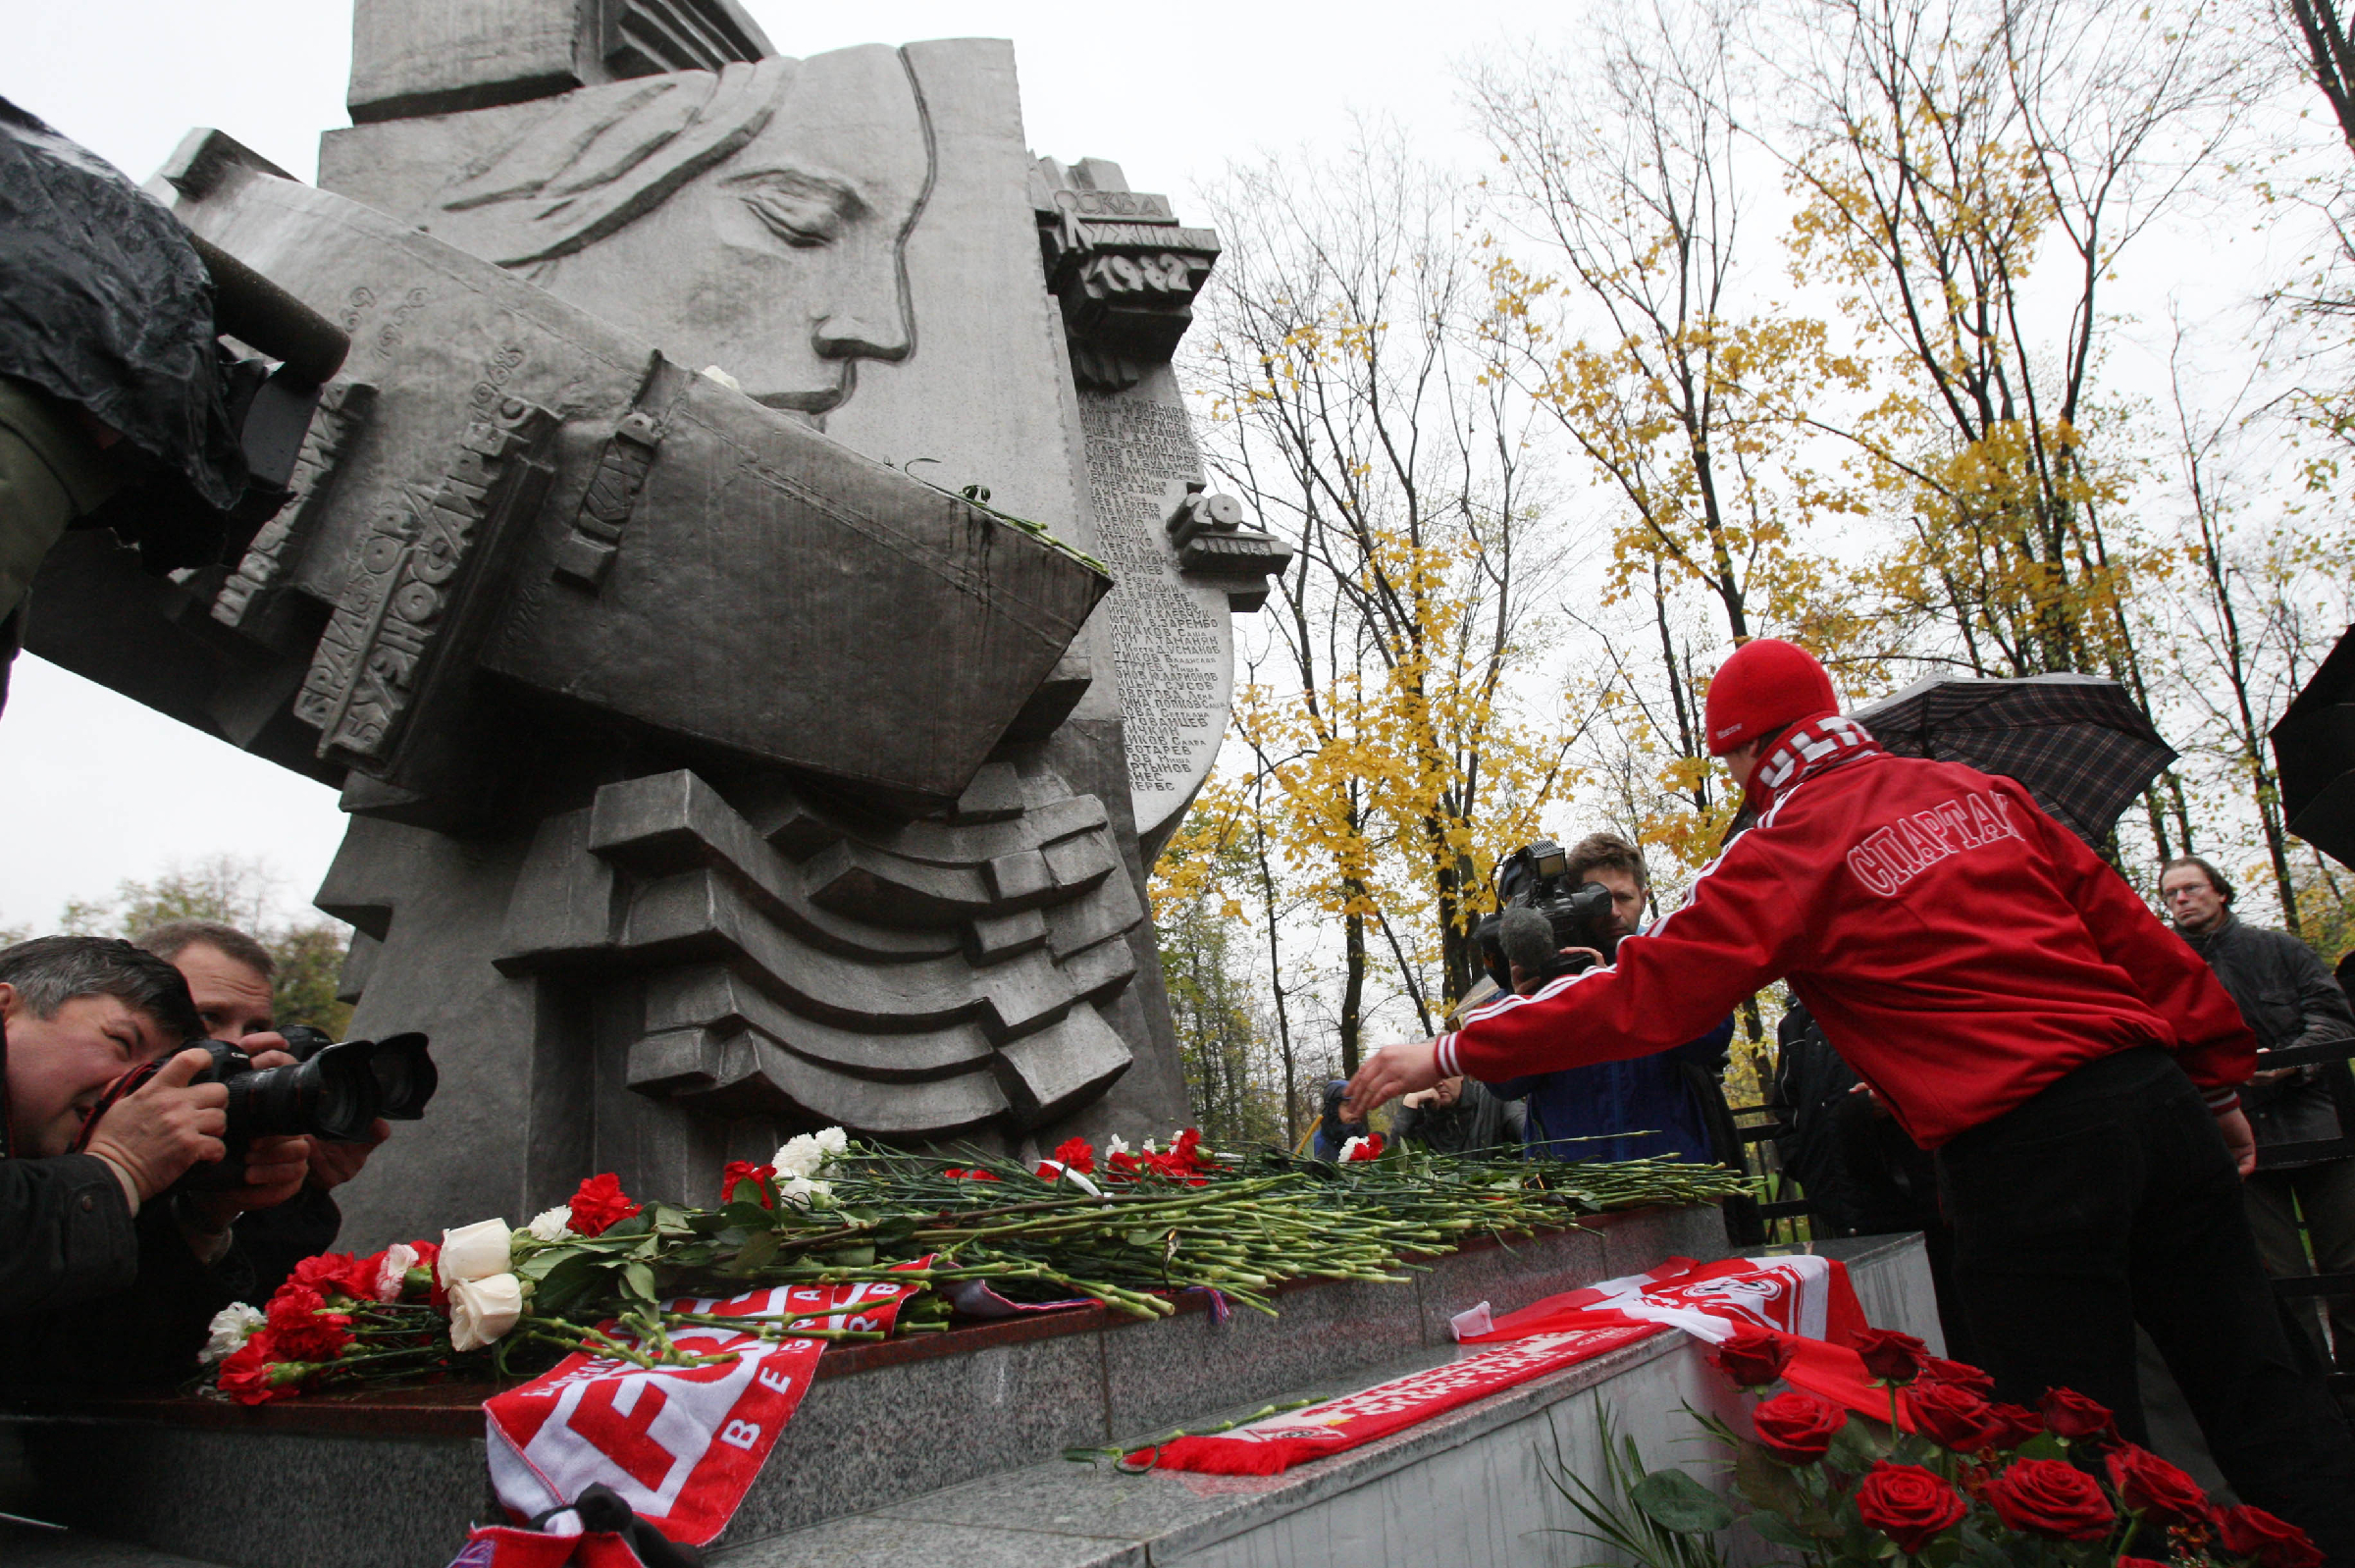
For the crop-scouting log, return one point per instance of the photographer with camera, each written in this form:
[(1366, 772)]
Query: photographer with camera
[(109, 1271), (231, 978), (1565, 911), (2021, 1012)]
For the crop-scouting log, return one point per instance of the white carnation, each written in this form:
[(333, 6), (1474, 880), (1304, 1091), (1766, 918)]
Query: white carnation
[(799, 1157), (552, 1224), (476, 1251), (1117, 1146), (392, 1274), (803, 1193), (231, 1326), (808, 1154), (1152, 1147), (482, 1310), (1349, 1149)]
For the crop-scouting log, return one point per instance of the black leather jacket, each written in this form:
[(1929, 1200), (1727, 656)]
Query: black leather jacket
[(2288, 998)]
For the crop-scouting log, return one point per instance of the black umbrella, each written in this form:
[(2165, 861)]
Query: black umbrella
[(2313, 748), (2078, 744)]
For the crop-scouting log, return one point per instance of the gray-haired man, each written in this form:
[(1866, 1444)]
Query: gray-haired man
[(105, 1274)]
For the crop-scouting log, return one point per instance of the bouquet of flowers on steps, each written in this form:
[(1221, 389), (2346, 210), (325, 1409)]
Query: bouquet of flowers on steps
[(1947, 1477), (1127, 1228)]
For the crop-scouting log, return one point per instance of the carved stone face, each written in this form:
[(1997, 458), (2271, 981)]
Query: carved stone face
[(762, 234)]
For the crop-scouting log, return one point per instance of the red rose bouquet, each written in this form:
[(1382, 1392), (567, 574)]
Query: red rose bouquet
[(1964, 1482)]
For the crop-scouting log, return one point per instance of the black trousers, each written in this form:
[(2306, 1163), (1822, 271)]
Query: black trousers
[(2109, 1199)]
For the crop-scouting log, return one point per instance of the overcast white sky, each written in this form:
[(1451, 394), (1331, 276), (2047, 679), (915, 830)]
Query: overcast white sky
[(95, 789)]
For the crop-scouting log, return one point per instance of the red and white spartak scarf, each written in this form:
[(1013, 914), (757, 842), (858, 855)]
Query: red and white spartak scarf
[(1802, 1296), (1805, 1295), (680, 1445), (1813, 744)]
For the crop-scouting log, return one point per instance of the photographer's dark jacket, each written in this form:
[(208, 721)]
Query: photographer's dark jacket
[(66, 1233), (2289, 1000), (142, 1334)]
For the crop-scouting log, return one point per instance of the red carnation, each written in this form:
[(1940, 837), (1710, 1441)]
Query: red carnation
[(2046, 1498), (739, 1172), (2154, 1488), (2069, 1414), (1908, 1504), (1122, 1163), (429, 1258), (339, 1271), (969, 1176), (1368, 1148), (1798, 1428), (1950, 1415), (1890, 1356), (1075, 1155), (1962, 1375), (2139, 1562), (2275, 1543), (1753, 1357), (250, 1377), (303, 1329), (2010, 1426), (600, 1205)]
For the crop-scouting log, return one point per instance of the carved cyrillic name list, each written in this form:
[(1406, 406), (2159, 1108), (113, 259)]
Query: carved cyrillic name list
[(1164, 638)]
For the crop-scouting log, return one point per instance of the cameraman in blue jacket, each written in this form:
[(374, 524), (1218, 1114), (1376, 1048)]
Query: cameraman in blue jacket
[(1654, 1107)]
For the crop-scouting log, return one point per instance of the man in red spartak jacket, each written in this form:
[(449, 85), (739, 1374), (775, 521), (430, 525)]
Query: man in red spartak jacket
[(2020, 1011)]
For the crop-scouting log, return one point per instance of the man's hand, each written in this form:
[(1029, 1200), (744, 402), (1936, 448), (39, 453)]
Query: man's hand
[(2239, 1139), (334, 1164), (154, 1135), (274, 1173), (1389, 1073)]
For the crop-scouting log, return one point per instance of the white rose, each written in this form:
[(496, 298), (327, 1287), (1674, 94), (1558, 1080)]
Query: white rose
[(231, 1326), (803, 1193), (393, 1274), (476, 1251), (552, 1224), (481, 1310)]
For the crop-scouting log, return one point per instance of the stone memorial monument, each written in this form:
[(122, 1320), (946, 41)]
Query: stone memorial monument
[(752, 581)]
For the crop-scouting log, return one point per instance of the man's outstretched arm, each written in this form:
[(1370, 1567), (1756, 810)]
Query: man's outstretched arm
[(1740, 929)]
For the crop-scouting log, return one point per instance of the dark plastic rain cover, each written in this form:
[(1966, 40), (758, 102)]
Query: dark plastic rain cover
[(104, 304)]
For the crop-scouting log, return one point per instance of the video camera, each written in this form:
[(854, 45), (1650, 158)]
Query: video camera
[(332, 1090), (1538, 878)]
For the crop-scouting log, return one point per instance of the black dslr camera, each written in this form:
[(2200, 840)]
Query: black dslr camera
[(332, 1091), (1538, 878)]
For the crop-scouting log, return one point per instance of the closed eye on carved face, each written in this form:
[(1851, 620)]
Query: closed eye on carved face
[(803, 210)]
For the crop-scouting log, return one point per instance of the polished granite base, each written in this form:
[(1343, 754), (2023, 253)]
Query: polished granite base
[(897, 1444)]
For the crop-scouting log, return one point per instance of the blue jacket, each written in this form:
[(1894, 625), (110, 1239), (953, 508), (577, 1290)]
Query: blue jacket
[(1647, 1098)]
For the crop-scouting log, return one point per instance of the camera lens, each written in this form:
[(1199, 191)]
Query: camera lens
[(405, 1076), (332, 1095)]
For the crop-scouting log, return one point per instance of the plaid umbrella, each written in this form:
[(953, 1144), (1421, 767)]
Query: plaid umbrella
[(2314, 747), (2076, 743)]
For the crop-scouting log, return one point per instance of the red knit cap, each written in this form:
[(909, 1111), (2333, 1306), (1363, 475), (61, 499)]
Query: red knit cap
[(1767, 683)]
